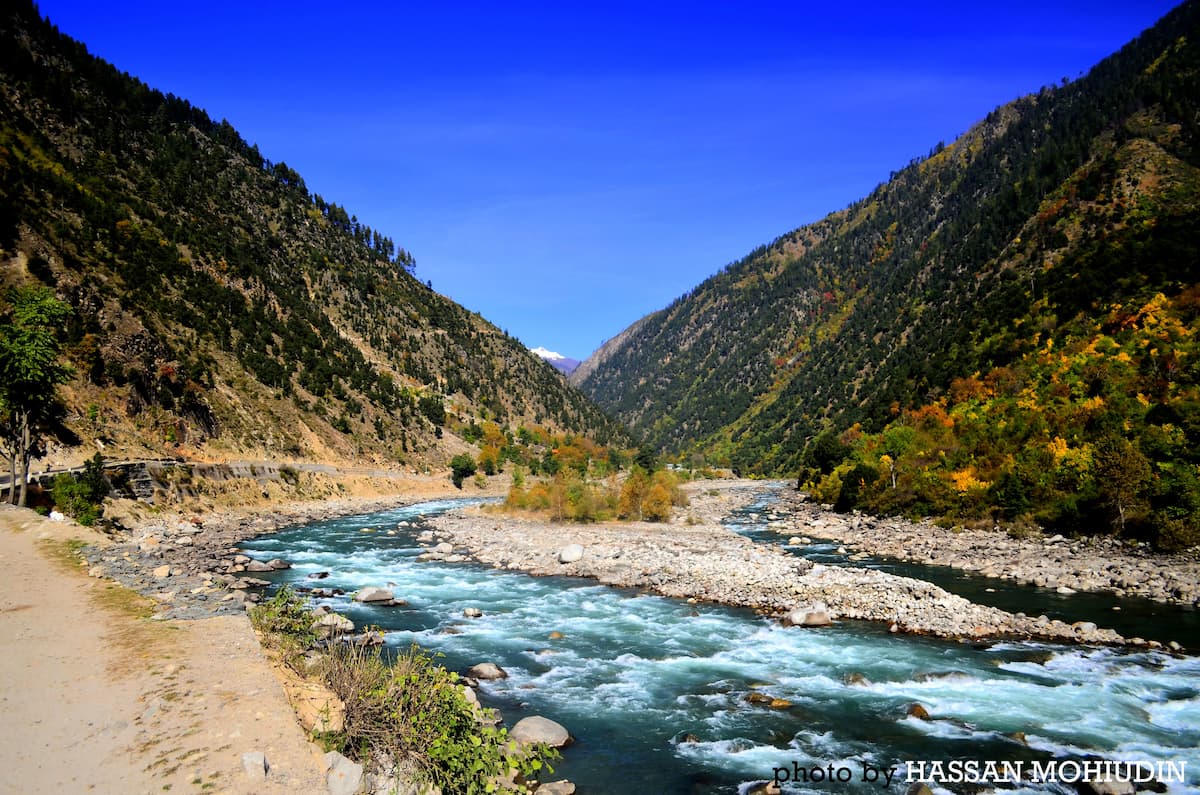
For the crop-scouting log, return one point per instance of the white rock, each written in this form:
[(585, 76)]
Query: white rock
[(332, 624), (813, 615), (487, 670), (570, 553), (343, 777), (536, 729), (373, 593), (255, 764)]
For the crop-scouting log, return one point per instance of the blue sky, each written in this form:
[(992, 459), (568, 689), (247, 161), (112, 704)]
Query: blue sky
[(565, 168)]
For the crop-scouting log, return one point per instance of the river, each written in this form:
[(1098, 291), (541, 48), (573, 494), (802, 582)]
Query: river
[(655, 690)]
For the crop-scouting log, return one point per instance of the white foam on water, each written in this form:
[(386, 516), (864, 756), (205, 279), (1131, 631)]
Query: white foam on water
[(647, 663)]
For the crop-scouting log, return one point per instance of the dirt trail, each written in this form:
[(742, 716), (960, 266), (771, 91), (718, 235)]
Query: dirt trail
[(98, 697)]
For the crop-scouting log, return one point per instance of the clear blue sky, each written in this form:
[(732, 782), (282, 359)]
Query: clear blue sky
[(565, 168)]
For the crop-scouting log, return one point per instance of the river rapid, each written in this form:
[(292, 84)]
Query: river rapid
[(656, 690)]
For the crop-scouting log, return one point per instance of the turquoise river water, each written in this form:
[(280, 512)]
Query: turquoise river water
[(654, 690)]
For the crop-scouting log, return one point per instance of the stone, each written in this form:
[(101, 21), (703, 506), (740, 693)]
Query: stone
[(373, 593), (444, 548), (536, 729), (162, 572), (555, 635), (918, 711), (472, 612), (317, 707), (560, 787), (1064, 590), (258, 565), (278, 564), (1107, 787), (343, 777), (1084, 627), (570, 553), (812, 615), (256, 766), (332, 624), (487, 671)]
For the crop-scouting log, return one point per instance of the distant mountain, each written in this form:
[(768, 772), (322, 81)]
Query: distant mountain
[(561, 363), (220, 307), (1059, 205)]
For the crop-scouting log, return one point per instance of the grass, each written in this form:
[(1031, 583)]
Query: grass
[(407, 710), (133, 634)]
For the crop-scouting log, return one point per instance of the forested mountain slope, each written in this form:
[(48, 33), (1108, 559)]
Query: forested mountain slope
[(217, 302), (1056, 206)]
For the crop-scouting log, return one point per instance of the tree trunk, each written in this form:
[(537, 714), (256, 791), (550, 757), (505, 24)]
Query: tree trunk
[(12, 476), (23, 458)]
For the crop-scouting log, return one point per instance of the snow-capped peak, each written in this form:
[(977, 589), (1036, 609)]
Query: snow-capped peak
[(545, 354)]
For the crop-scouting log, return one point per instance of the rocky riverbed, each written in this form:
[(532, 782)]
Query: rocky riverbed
[(695, 557), (1087, 564), (192, 565)]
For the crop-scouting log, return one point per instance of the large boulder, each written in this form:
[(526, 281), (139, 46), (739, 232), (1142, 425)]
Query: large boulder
[(570, 553), (536, 729), (373, 593), (813, 615), (487, 670), (343, 777), (332, 624)]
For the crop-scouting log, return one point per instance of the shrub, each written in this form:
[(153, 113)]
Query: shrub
[(416, 710), (409, 712), (81, 496), (461, 466)]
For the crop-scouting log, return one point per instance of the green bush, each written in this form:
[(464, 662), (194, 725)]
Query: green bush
[(410, 712), (461, 466), (81, 496), (416, 710)]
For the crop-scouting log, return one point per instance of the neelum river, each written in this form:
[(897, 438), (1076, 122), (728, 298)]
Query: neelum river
[(655, 690)]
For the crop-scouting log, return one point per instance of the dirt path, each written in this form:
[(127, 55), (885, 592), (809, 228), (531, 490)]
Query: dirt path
[(98, 697)]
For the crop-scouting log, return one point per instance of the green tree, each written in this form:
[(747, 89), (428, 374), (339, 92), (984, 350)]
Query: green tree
[(1122, 473), (461, 466), (30, 373)]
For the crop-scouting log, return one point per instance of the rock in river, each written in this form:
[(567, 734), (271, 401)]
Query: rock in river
[(536, 729), (373, 593), (487, 670), (810, 615)]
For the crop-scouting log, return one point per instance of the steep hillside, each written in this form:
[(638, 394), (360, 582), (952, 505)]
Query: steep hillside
[(219, 305), (1055, 206)]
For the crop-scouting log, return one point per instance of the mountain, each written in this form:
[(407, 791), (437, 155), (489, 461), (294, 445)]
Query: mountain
[(1060, 205), (219, 306), (563, 364)]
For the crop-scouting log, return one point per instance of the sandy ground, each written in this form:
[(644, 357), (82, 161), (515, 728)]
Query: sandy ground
[(97, 697)]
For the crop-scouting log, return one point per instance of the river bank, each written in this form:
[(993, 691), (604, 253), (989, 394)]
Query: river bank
[(189, 561), (696, 557), (100, 698), (1085, 564)]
